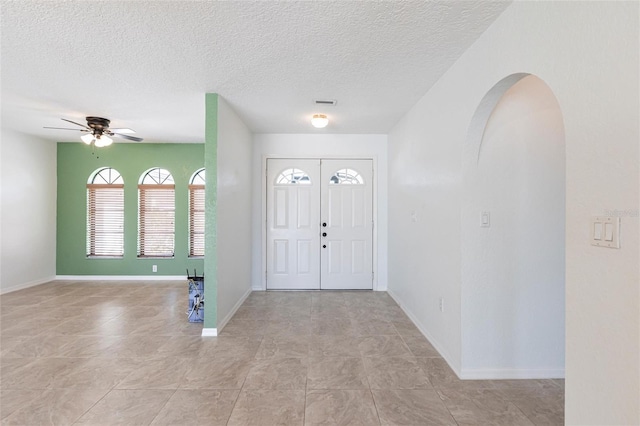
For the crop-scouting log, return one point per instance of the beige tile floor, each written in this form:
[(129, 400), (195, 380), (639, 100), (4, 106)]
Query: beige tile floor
[(124, 353)]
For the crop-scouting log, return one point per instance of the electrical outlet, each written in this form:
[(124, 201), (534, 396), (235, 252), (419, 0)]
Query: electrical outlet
[(154, 268), (442, 304), (485, 220)]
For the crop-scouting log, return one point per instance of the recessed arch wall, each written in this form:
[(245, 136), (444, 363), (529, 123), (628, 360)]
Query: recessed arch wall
[(512, 296), (484, 111), (587, 52)]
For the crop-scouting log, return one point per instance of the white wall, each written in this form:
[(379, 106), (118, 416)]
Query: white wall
[(233, 211), (320, 146), (587, 53), (424, 220), (513, 271), (28, 211)]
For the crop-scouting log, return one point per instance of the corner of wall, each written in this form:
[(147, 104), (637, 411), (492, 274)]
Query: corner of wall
[(233, 212), (455, 366), (28, 166), (211, 237)]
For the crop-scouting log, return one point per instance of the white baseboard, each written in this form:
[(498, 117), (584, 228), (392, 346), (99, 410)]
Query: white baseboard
[(437, 345), (121, 277), (209, 332), (235, 308), (262, 289), (28, 284), (511, 373), (482, 374)]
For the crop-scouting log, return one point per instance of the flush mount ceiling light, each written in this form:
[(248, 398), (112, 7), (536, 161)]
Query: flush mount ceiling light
[(319, 121)]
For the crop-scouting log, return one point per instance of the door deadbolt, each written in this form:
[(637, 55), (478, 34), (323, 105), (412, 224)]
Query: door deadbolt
[(324, 246), (324, 224), (324, 234)]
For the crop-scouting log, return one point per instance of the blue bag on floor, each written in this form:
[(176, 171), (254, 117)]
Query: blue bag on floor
[(196, 298)]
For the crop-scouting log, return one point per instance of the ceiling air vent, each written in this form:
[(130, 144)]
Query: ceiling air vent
[(331, 102)]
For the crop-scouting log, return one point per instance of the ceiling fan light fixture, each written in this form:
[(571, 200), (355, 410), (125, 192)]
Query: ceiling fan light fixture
[(102, 141), (97, 132), (319, 121), (88, 138)]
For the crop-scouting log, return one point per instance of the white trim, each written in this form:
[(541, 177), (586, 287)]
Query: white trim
[(263, 221), (230, 315), (28, 284), (121, 277), (209, 332), (511, 373), (376, 224), (263, 210), (438, 347)]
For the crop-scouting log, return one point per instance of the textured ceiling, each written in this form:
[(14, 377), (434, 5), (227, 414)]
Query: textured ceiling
[(147, 64)]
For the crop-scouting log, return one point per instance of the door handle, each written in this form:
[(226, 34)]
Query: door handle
[(324, 234), (324, 246)]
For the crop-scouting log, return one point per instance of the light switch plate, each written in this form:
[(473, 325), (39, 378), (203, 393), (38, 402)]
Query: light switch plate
[(605, 231)]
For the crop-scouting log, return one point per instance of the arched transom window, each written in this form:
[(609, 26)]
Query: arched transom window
[(293, 177), (157, 176), (346, 177)]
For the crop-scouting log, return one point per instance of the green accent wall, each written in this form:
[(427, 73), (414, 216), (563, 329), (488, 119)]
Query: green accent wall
[(211, 194), (77, 161)]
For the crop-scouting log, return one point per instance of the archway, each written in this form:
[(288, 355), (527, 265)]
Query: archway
[(513, 234)]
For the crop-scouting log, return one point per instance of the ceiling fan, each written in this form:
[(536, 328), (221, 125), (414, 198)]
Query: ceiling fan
[(97, 131)]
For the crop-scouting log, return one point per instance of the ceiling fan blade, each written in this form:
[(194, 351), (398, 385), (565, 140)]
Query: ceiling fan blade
[(122, 130), (131, 138), (65, 128), (78, 124)]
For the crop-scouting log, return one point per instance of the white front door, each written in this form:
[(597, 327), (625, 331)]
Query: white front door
[(319, 224), (293, 224), (347, 224)]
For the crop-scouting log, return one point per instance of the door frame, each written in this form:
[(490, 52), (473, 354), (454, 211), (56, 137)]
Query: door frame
[(263, 208)]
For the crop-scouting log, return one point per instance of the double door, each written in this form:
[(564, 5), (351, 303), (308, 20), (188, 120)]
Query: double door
[(319, 224)]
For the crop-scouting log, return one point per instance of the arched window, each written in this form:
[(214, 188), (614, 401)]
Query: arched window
[(105, 213), (196, 214), (292, 177), (156, 214), (346, 177)]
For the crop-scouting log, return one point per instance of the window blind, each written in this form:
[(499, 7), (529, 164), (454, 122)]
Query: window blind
[(196, 220), (105, 220), (156, 220)]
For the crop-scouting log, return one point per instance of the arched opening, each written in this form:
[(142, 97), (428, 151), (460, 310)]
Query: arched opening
[(513, 234)]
